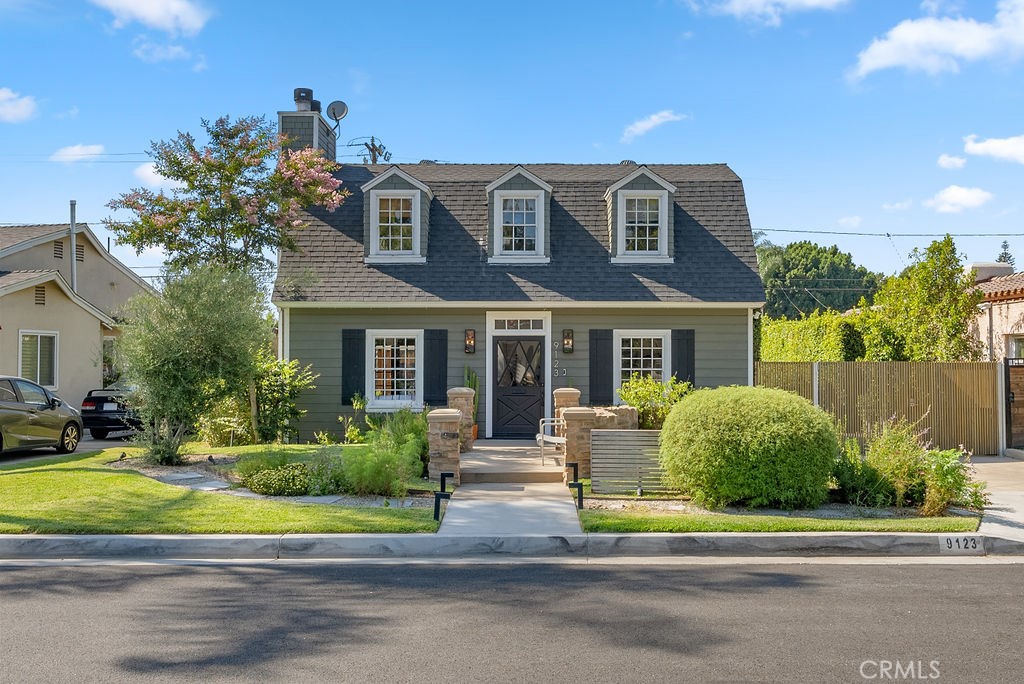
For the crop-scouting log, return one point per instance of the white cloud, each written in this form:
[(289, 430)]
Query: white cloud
[(147, 174), (955, 199), (1010, 149), (934, 7), (69, 114), (937, 44), (766, 11), (151, 52), (15, 108), (948, 161), (850, 221), (898, 206), (76, 153), (170, 16), (648, 124)]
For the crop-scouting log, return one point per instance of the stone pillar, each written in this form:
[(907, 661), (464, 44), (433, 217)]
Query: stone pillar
[(461, 398), (565, 397), (578, 424), (443, 440)]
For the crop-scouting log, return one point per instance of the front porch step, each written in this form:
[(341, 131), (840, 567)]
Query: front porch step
[(471, 476)]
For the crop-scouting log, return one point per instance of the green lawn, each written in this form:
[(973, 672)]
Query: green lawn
[(637, 521), (79, 494)]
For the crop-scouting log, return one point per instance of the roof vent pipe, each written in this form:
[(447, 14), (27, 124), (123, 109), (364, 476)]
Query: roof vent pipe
[(74, 250), (627, 162), (303, 99), (315, 105)]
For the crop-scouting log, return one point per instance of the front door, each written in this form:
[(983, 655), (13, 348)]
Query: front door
[(518, 386)]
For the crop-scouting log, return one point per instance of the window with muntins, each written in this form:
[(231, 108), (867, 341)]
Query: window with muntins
[(39, 358), (643, 225), (643, 352), (394, 225), (395, 368), (519, 225)]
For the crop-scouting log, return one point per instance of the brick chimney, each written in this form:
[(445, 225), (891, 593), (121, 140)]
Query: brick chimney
[(306, 127)]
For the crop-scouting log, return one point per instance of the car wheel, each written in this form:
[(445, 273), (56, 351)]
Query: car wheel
[(69, 439), (99, 434)]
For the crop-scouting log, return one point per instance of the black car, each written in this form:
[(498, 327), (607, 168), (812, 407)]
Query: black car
[(106, 410), (32, 416)]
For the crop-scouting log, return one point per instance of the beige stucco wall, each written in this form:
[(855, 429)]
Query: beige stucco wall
[(1007, 322), (79, 339), (99, 281)]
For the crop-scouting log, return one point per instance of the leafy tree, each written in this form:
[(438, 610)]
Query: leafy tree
[(189, 347), (925, 313), (1004, 256), (803, 277), (236, 196)]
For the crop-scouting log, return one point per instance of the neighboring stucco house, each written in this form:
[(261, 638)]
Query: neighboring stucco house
[(58, 305), (1000, 322), (536, 276)]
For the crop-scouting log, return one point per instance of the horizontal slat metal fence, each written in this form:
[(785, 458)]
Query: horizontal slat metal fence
[(623, 460), (958, 403)]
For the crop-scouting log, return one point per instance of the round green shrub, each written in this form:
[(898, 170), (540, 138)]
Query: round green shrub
[(287, 480), (749, 445)]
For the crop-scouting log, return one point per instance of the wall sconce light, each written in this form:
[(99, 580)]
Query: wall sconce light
[(567, 340), (470, 341)]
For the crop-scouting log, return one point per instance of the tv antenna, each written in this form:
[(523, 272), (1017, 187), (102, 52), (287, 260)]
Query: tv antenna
[(375, 149)]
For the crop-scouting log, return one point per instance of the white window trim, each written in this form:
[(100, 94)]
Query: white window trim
[(501, 257), (492, 332), (375, 405), (666, 354), (377, 256), (56, 356), (659, 256)]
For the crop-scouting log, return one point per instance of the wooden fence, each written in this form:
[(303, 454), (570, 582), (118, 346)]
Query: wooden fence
[(958, 403), (623, 460)]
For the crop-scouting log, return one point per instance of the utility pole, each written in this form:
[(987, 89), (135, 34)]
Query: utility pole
[(374, 149)]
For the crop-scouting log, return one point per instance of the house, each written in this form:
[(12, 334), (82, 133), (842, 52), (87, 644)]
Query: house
[(999, 326), (59, 296), (535, 276)]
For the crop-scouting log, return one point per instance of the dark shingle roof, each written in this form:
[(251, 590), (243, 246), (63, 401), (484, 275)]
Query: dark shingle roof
[(714, 251)]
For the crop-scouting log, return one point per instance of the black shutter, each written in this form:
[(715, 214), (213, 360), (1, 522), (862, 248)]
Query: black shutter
[(683, 363), (353, 364), (602, 365), (435, 371)]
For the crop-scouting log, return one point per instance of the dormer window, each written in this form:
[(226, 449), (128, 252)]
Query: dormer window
[(394, 224), (397, 208), (640, 217), (519, 218)]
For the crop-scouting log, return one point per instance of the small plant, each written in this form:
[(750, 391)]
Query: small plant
[(383, 467), (652, 398), (226, 424), (749, 445), (327, 474), (896, 450), (291, 479), (251, 464), (857, 482), (471, 380), (948, 480), (351, 434)]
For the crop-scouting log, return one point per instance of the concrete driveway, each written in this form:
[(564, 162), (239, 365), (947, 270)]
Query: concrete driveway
[(87, 444)]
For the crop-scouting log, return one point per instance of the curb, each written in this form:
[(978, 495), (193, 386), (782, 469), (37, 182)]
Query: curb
[(432, 546)]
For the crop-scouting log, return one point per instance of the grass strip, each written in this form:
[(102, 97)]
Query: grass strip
[(633, 522)]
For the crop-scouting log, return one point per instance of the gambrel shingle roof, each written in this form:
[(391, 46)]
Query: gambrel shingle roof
[(714, 251)]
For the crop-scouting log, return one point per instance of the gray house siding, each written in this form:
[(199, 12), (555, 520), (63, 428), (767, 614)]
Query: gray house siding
[(721, 347)]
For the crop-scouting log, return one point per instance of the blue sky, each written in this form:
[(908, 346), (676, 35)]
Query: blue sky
[(843, 116)]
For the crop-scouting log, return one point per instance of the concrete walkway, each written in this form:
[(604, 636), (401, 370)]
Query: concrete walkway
[(502, 508), (1004, 517)]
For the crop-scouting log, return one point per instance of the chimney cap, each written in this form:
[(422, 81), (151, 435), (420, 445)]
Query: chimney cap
[(315, 105), (303, 99)]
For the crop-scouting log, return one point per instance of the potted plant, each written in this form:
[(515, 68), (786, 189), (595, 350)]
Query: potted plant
[(472, 381)]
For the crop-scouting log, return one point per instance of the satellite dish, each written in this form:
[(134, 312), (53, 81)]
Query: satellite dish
[(337, 110)]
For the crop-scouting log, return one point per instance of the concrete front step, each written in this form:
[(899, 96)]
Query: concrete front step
[(471, 476)]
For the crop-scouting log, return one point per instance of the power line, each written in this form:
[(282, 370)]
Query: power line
[(887, 235)]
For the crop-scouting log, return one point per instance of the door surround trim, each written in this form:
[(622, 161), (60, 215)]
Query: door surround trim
[(493, 316)]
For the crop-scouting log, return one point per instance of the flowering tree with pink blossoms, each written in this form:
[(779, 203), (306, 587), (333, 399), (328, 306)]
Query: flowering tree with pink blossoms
[(233, 198)]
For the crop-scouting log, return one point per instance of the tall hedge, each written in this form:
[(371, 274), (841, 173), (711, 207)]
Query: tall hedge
[(826, 336)]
